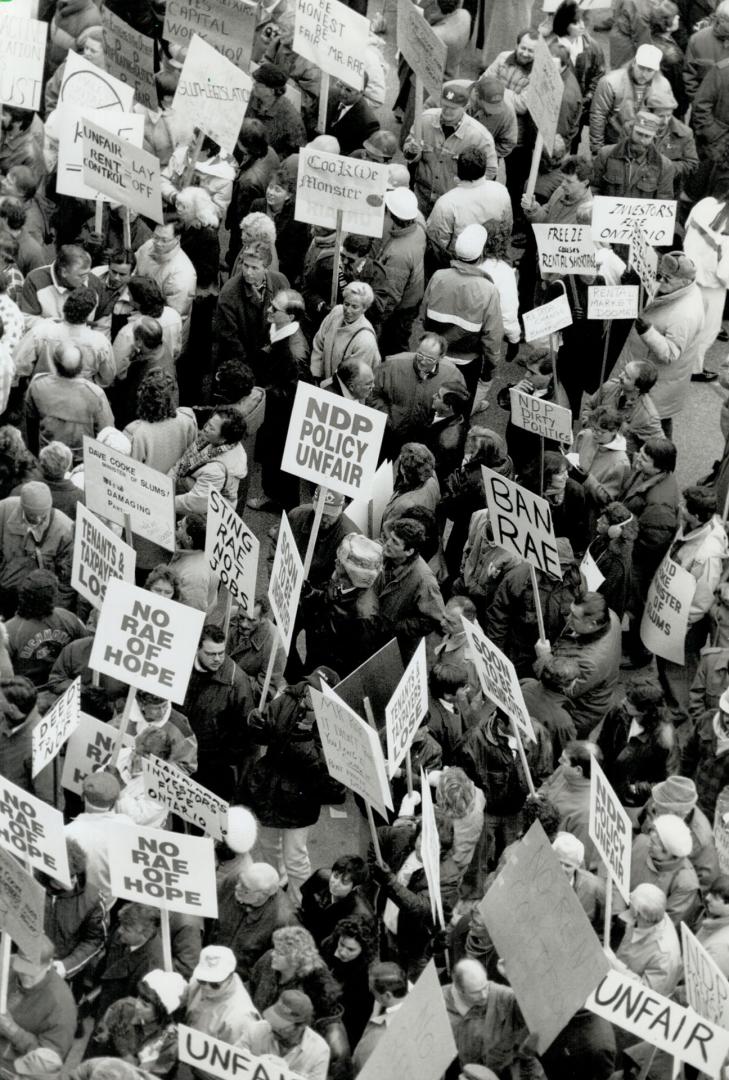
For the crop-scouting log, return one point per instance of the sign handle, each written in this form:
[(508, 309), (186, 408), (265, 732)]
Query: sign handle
[(605, 348), (323, 103), (128, 534), (608, 909), (318, 511), (193, 154), (166, 939), (337, 259), (99, 216), (127, 226), (227, 611), (537, 603), (725, 511), (370, 816), (4, 969), (645, 1071), (534, 170), (522, 755), (418, 118), (95, 678), (409, 771), (371, 519), (541, 465), (131, 696), (269, 668)]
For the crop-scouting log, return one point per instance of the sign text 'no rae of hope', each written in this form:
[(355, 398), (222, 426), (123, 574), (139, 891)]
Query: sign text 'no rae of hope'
[(164, 869)]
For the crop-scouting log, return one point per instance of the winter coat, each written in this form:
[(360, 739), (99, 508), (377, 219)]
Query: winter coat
[(462, 304), (406, 397), (551, 708), (615, 102), (706, 247), (284, 363), (46, 1019), (633, 764), (336, 341), (654, 956), (16, 756), (606, 466), (675, 876), (614, 559), (571, 795), (320, 913), (20, 552), (589, 68), (491, 1033), (324, 559), (703, 553), (34, 644), (617, 173), (410, 601), (57, 408), (285, 129), (653, 501), (240, 326), (677, 145), (436, 156), (124, 967), (402, 256), (710, 681), (469, 202), (703, 52), (713, 934), (248, 931), (216, 176), (343, 627), (292, 239), (266, 985), (570, 110), (598, 656), (642, 421), (699, 760), (217, 706), (485, 756), (462, 495), (77, 923), (584, 1048), (710, 113)]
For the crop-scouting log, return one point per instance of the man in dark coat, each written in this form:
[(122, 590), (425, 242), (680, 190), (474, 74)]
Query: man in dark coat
[(349, 118), (240, 327), (633, 167), (284, 127), (251, 905), (134, 950), (410, 598)]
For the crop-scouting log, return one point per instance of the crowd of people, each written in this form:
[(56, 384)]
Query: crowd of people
[(182, 345)]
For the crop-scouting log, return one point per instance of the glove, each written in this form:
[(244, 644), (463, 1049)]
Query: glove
[(381, 874), (512, 350), (642, 325)]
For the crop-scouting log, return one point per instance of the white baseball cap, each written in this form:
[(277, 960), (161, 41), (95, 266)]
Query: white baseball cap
[(649, 56), (401, 202)]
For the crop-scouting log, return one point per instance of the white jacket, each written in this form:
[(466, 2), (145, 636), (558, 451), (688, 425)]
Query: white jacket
[(708, 249), (703, 553)]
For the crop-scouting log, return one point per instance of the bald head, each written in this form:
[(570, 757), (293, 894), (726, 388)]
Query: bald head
[(471, 981), (357, 376), (255, 884), (68, 361)]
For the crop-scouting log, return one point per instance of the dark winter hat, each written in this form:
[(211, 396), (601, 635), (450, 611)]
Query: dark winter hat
[(320, 675), (270, 75)]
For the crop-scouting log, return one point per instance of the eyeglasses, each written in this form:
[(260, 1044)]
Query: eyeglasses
[(429, 361)]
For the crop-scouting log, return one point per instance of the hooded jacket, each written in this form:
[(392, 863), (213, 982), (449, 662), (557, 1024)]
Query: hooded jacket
[(703, 553)]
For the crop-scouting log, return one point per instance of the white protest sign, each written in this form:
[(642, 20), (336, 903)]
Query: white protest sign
[(367, 513), (115, 485), (232, 551), (98, 555), (22, 903), (333, 441), (213, 1057), (351, 749), (129, 56), (89, 748), (420, 46), (498, 678), (52, 730), (612, 301), (33, 830), (610, 829), (542, 321), (332, 36), (613, 219), (565, 249), (183, 796), (665, 618), (623, 1000), (85, 84), (227, 25), (22, 56), (543, 94), (146, 640), (165, 869), (721, 837), (327, 183), (540, 416), (643, 259), (707, 988), (284, 586), (430, 851), (70, 173), (213, 93), (521, 522), (406, 708), (125, 172), (591, 572)]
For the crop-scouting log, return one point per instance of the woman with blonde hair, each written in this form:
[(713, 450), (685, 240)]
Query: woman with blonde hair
[(346, 333), (294, 963), (257, 227)]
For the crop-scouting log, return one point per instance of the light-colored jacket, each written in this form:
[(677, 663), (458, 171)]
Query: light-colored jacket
[(222, 474), (653, 956), (436, 155), (470, 202), (216, 176), (615, 102), (176, 277), (703, 553), (708, 248), (336, 340)]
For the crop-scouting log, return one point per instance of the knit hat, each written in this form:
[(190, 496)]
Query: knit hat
[(381, 145), (402, 203), (471, 242), (216, 963), (675, 795), (397, 175), (169, 986), (361, 559), (569, 849), (293, 1007), (269, 75), (646, 121), (490, 90), (674, 834), (455, 92), (35, 497), (101, 790), (649, 56), (676, 264), (660, 97)]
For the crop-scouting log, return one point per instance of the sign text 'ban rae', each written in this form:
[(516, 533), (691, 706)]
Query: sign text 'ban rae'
[(98, 555), (521, 521), (232, 551), (406, 708), (146, 640), (89, 748), (327, 183), (22, 903), (165, 869), (284, 585), (610, 829), (498, 678), (213, 1057), (614, 218), (332, 36), (116, 485), (33, 830), (191, 801), (547, 319), (352, 749), (212, 93), (665, 618), (53, 729), (540, 416), (121, 170)]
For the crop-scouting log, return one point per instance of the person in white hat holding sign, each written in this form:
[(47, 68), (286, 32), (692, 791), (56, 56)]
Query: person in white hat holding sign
[(620, 94)]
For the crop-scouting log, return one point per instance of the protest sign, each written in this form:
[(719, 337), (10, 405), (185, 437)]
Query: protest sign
[(98, 555), (542, 321), (417, 1042), (420, 46), (22, 56), (228, 25), (721, 833), (126, 125), (498, 678), (213, 93), (612, 301), (610, 829), (351, 749), (333, 441), (22, 903), (52, 730), (146, 640), (614, 219), (406, 708), (539, 928), (116, 485), (125, 172), (183, 796), (375, 680), (327, 183), (129, 57), (543, 94), (644, 260), (665, 618), (430, 851), (565, 249), (707, 988), (33, 830), (165, 869), (591, 572), (232, 551), (210, 1056), (284, 585), (88, 750), (332, 36), (85, 84), (623, 1000), (367, 513), (521, 522), (540, 416)]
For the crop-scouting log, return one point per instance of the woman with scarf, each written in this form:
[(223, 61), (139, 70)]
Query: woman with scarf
[(215, 461), (346, 332), (707, 243), (586, 56)]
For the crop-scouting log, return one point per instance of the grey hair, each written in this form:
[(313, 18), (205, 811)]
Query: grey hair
[(360, 290)]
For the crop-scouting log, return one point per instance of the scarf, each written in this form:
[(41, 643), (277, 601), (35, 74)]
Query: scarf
[(200, 453)]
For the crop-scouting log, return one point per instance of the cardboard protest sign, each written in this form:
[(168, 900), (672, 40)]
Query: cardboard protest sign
[(375, 680), (591, 572), (126, 125), (228, 25), (85, 84), (129, 57), (565, 249), (543, 94), (115, 485), (665, 617), (327, 183), (707, 988), (430, 851), (333, 441), (183, 796), (332, 36), (165, 869), (406, 708), (146, 640), (33, 830), (613, 219), (547, 319), (351, 749), (121, 170), (98, 555), (418, 1042), (367, 513), (521, 522), (644, 260), (284, 585), (540, 416), (88, 750), (213, 93), (22, 56), (552, 955), (232, 551), (22, 903), (612, 301), (610, 830), (420, 46), (213, 1057), (622, 1000), (52, 730), (498, 678)]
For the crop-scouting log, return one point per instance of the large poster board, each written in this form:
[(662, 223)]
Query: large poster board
[(332, 36), (615, 217), (165, 869), (232, 550), (33, 830), (213, 93), (22, 903), (327, 183), (610, 829), (521, 522), (116, 485), (498, 678), (169, 785), (406, 708), (53, 729), (284, 585), (122, 171), (98, 555), (70, 172), (544, 92), (228, 25), (22, 56), (421, 47), (666, 614), (129, 57), (88, 749)]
